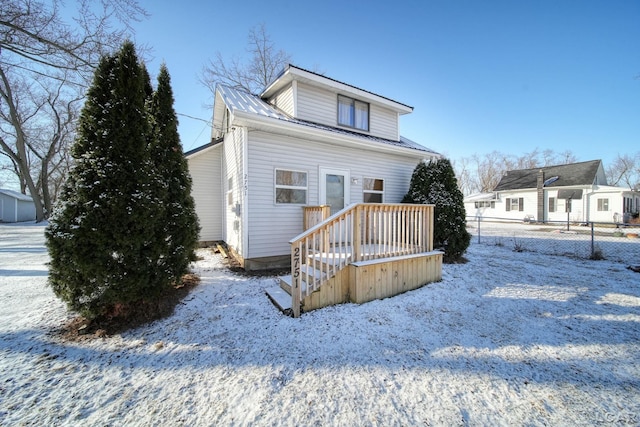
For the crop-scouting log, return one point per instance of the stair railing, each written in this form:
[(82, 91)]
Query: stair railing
[(359, 232)]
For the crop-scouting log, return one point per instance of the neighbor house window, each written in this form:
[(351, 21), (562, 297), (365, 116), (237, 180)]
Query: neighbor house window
[(372, 190), (291, 187), (353, 113), (603, 205), (486, 204), (552, 204), (515, 204)]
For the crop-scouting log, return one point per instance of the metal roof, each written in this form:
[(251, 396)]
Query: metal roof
[(238, 100), (16, 195), (572, 174)]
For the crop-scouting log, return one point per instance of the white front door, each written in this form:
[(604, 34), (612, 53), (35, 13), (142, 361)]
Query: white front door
[(334, 188)]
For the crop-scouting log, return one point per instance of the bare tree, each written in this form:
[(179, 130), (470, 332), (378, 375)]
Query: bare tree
[(482, 173), (265, 62), (45, 63), (624, 171), (467, 181)]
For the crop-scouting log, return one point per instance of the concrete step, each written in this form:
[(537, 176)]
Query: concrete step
[(280, 299)]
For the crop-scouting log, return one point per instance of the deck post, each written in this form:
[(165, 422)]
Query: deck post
[(357, 233), (296, 290)]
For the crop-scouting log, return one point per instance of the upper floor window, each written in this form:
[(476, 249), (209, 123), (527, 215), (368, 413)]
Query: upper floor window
[(353, 113), (372, 190), (291, 186)]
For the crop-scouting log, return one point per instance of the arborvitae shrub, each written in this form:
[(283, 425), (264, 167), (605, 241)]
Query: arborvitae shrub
[(435, 183), (180, 222)]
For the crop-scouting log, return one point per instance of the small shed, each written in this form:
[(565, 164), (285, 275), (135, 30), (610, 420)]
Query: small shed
[(16, 207)]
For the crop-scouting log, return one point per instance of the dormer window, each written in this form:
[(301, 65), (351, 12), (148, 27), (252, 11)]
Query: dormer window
[(353, 113)]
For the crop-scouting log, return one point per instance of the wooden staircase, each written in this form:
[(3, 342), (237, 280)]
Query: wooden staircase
[(362, 253)]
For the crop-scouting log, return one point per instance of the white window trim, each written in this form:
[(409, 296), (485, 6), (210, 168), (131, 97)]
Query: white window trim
[(353, 105), (364, 191), (290, 187)]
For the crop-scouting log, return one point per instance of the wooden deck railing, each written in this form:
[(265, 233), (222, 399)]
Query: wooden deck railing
[(314, 215), (359, 232)]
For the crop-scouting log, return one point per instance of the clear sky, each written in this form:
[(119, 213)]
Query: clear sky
[(509, 76)]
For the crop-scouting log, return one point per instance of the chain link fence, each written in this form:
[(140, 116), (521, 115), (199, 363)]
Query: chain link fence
[(618, 242)]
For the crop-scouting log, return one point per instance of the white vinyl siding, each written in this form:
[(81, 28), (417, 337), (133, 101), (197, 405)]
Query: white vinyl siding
[(321, 106), (284, 101), (383, 122), (271, 225), (206, 174), (234, 176), (316, 105)]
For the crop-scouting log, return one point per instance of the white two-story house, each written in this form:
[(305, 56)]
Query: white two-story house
[(306, 140)]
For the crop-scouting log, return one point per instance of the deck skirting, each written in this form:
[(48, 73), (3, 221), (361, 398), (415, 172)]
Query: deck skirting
[(365, 281)]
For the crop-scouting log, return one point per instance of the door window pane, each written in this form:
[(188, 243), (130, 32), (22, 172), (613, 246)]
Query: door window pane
[(335, 192)]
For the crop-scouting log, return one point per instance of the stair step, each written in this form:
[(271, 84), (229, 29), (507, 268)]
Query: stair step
[(279, 298), (286, 282)]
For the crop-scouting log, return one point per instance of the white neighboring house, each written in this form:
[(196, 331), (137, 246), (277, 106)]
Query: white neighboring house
[(16, 207), (576, 191), (307, 140)]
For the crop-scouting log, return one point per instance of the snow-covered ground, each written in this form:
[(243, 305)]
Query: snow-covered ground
[(507, 339)]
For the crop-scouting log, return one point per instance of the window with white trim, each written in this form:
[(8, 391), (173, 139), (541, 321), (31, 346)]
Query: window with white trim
[(603, 205), (230, 191), (372, 190), (353, 113), (290, 187), (514, 204), (485, 204), (552, 204)]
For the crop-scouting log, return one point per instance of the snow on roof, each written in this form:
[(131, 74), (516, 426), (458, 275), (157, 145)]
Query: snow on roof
[(479, 196), (238, 100), (16, 195)]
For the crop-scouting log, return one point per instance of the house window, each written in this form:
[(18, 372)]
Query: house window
[(230, 191), (515, 204), (603, 205), (567, 207), (353, 113), (552, 204), (291, 187), (485, 204), (372, 190)]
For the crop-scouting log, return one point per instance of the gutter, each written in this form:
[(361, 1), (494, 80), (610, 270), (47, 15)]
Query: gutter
[(288, 128)]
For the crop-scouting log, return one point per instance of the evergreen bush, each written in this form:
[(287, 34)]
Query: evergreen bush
[(180, 222), (105, 237), (434, 182)]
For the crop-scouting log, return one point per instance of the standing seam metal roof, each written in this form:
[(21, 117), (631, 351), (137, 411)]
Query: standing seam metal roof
[(238, 100)]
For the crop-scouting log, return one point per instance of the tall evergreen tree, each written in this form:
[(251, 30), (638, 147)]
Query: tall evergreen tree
[(180, 222), (435, 183), (102, 237)]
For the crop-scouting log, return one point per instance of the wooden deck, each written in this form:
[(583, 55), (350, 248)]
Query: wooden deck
[(364, 252)]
